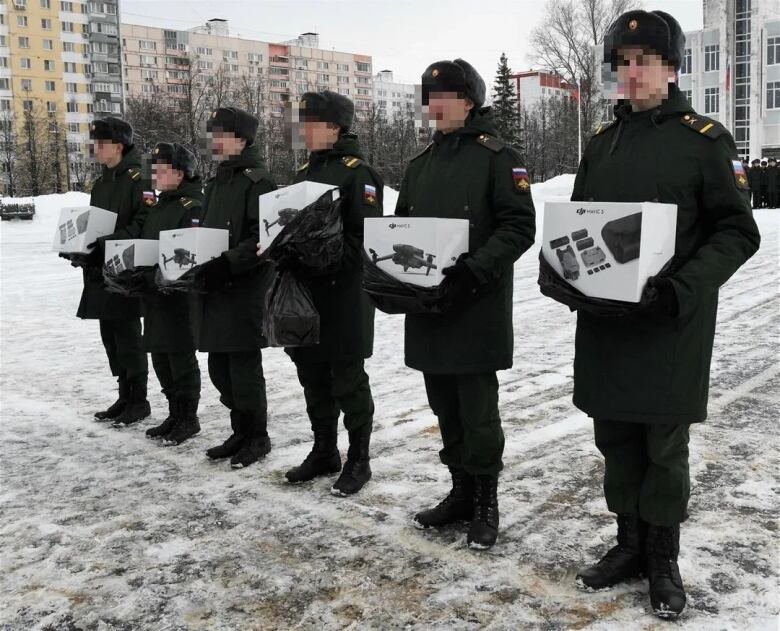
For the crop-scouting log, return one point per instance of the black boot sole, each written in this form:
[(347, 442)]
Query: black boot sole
[(582, 586), (329, 470)]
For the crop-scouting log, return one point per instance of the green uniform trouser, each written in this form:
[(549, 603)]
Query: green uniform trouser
[(238, 377), (467, 409), (125, 349), (645, 469), (178, 374), (333, 387)]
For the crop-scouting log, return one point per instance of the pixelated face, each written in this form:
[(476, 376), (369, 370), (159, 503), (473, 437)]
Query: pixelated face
[(107, 152), (224, 144), (165, 177), (318, 135), (447, 109), (642, 75)]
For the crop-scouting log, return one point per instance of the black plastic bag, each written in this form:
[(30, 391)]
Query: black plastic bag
[(290, 318), (553, 286), (314, 238), (132, 282), (391, 295), (189, 282)]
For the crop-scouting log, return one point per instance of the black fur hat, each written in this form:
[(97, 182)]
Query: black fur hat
[(234, 120), (453, 76), (113, 129), (327, 107), (178, 156), (655, 30)]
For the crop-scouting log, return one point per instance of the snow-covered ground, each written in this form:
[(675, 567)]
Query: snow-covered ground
[(102, 529)]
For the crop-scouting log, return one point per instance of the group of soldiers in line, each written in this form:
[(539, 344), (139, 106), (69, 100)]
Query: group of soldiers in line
[(642, 377), (764, 179)]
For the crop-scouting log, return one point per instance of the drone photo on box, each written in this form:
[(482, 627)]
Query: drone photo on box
[(285, 216), (407, 256), (182, 257), (621, 237)]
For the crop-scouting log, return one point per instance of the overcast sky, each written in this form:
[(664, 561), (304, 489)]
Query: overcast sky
[(400, 35)]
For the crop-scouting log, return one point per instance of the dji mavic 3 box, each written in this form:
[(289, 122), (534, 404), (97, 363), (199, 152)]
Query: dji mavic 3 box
[(415, 249), (183, 249), (79, 226), (278, 208), (609, 249), (124, 254)]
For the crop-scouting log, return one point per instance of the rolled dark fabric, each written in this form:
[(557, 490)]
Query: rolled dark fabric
[(189, 283), (552, 285), (132, 283)]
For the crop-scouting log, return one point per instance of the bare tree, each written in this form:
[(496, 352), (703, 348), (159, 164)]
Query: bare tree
[(8, 151), (35, 166), (564, 44)]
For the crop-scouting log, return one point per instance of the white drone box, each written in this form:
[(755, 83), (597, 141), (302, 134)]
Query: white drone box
[(415, 249), (183, 249), (278, 207), (124, 254), (609, 249), (78, 226)]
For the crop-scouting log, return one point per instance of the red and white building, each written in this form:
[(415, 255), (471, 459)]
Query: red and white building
[(533, 86)]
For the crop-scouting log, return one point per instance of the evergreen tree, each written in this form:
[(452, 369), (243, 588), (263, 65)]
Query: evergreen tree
[(505, 104)]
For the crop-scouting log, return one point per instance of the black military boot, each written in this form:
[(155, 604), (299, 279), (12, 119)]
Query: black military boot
[(667, 595), (137, 407), (187, 425), (457, 506), (115, 409), (357, 468), (483, 530), (256, 445), (231, 446), (624, 561), (174, 412), (324, 456)]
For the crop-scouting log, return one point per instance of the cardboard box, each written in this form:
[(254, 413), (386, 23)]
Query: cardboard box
[(81, 225), (415, 249), (278, 208), (183, 249), (609, 249), (124, 254)]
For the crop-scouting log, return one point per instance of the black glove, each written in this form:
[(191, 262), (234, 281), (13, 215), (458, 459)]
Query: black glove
[(214, 274), (460, 287), (665, 300)]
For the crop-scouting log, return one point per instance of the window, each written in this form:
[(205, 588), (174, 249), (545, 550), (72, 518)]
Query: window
[(25, 63), (100, 66), (343, 79), (27, 105), (233, 67), (343, 67), (203, 50), (322, 65), (27, 84), (324, 78), (144, 44), (254, 57), (5, 104), (71, 87), (21, 20), (69, 66), (205, 65), (773, 95), (366, 92), (344, 91), (66, 6), (148, 59), (24, 42), (5, 84), (67, 27), (73, 127), (280, 71), (230, 54), (104, 27), (3, 62), (711, 100), (51, 106), (362, 66), (48, 65), (364, 80), (45, 4), (712, 58), (177, 89), (2, 40), (48, 44), (148, 74), (46, 24), (773, 50), (69, 47), (50, 86), (72, 107), (688, 96)]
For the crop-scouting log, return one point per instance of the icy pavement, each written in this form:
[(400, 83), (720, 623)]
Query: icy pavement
[(102, 529)]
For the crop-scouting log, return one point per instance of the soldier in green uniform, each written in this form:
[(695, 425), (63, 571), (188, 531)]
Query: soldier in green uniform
[(468, 172), (332, 373), (772, 184), (644, 377), (231, 329), (120, 189), (754, 179), (171, 321)]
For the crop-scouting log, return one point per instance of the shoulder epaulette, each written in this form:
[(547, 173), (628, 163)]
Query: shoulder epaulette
[(419, 153), (255, 174), (604, 127), (351, 161), (134, 174), (491, 142), (303, 167), (188, 202), (703, 125)]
